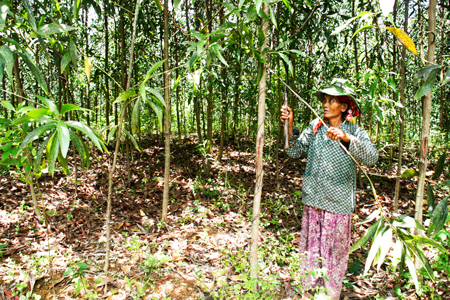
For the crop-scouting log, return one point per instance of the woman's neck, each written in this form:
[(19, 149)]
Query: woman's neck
[(335, 122)]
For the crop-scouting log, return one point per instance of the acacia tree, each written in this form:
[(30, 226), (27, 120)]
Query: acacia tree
[(426, 115), (262, 89)]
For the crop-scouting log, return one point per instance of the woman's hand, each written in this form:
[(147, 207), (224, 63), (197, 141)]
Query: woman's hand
[(335, 133), (287, 114)]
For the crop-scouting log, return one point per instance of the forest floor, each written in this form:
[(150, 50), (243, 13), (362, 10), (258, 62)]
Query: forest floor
[(202, 252)]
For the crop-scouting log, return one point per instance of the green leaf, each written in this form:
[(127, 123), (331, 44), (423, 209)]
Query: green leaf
[(425, 71), (157, 109), (362, 28), (427, 241), (217, 50), (48, 104), (287, 61), (52, 153), (258, 4), (176, 5), (412, 270), (407, 222), (87, 131), (40, 153), (4, 10), (152, 70), (132, 139), (426, 87), (365, 238), (39, 112), (374, 249), (124, 96), (251, 13), (82, 149), (21, 120), (34, 135), (82, 266), (157, 95), (423, 259), (343, 26), (65, 62), (64, 138), (438, 217), (430, 197), (8, 105), (53, 28), (35, 71), (298, 52), (241, 3), (63, 162), (8, 56), (76, 9), (69, 107), (410, 173), (447, 183), (135, 115), (272, 17), (286, 2), (446, 78), (439, 166), (73, 52)]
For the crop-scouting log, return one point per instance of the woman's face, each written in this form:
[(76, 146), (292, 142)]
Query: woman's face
[(332, 107)]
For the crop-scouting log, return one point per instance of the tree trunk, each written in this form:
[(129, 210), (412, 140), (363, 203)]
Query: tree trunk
[(116, 150), (88, 99), (402, 113), (426, 116), (224, 113), (108, 104), (259, 155), (167, 102), (209, 106)]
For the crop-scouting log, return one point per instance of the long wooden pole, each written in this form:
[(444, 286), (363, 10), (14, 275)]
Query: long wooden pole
[(286, 122)]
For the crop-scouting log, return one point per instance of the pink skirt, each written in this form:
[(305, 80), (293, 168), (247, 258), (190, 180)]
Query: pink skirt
[(324, 243)]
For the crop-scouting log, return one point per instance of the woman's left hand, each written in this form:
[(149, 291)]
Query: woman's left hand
[(337, 134)]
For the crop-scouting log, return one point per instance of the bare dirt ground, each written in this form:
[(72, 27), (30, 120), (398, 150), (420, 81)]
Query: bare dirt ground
[(206, 239)]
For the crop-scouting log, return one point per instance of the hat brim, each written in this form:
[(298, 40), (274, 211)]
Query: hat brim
[(336, 91)]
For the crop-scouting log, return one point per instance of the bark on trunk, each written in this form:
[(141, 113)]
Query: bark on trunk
[(259, 154), (402, 113), (167, 102), (426, 115), (116, 151)]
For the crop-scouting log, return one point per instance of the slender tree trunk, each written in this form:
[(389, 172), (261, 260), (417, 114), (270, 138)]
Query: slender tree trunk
[(426, 115), (108, 104), (442, 88), (88, 99), (167, 102), (116, 150), (210, 100), (223, 130), (259, 155), (19, 87), (177, 95), (197, 118)]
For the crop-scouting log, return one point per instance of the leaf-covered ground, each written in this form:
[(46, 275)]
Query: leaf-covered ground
[(202, 252)]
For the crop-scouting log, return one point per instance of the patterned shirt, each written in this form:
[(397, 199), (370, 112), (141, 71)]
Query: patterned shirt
[(329, 182)]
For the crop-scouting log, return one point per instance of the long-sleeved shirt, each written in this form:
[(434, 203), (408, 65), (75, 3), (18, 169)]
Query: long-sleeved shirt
[(329, 182)]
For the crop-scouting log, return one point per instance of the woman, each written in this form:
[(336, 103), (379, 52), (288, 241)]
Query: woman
[(329, 184)]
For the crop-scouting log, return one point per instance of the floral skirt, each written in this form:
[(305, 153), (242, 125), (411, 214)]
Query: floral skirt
[(324, 243)]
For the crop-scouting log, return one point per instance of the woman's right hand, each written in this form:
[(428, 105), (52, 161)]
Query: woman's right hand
[(287, 114)]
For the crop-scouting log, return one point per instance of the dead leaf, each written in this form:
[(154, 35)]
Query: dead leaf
[(403, 38)]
